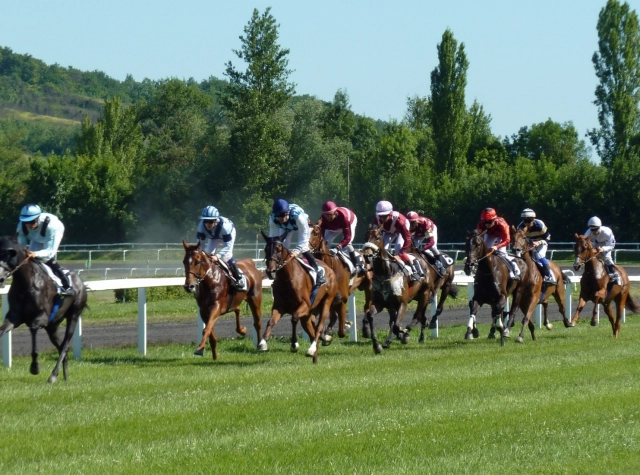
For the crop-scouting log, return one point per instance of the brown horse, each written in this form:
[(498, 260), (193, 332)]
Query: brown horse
[(346, 285), (215, 295), (294, 294), (393, 290), (595, 285), (522, 247), (491, 285)]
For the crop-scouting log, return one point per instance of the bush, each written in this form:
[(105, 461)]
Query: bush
[(154, 294)]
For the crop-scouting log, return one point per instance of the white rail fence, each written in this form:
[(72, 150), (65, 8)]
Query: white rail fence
[(143, 284)]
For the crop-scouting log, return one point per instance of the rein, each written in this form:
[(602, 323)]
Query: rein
[(11, 272)]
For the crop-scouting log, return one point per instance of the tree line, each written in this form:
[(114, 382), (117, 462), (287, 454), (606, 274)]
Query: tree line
[(160, 151)]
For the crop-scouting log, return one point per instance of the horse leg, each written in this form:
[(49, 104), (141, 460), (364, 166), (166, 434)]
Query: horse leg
[(63, 356), (547, 324), (393, 318), (35, 366), (214, 313), (276, 315), (240, 330), (6, 326), (366, 328), (526, 321), (581, 303), (377, 348), (620, 304), (256, 311), (594, 314), (472, 329), (294, 332), (559, 296), (612, 320), (52, 331), (213, 341)]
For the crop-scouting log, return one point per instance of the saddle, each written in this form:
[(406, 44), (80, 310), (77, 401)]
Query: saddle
[(60, 303), (310, 270), (346, 260), (52, 276), (241, 284)]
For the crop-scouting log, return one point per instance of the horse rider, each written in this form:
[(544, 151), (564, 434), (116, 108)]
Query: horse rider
[(604, 241), (496, 237), (424, 232), (537, 232), (340, 220), (395, 228), (291, 217), (42, 233), (215, 230)]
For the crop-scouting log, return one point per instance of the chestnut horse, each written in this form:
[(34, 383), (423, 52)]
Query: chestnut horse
[(216, 296), (393, 290), (595, 286), (346, 285), (32, 301), (491, 285), (522, 246), (294, 294)]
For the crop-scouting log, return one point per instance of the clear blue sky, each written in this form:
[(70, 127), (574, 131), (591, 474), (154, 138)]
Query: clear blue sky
[(529, 61)]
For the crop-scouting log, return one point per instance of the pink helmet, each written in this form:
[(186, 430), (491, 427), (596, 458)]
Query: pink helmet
[(383, 208), (329, 207), (412, 216)]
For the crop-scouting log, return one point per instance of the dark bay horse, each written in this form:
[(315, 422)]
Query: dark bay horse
[(216, 296), (595, 286), (294, 294), (393, 290), (346, 285), (523, 247), (32, 301), (491, 285)]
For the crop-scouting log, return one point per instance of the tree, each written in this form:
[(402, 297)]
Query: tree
[(254, 101), (617, 66), (14, 171), (484, 147), (448, 109)]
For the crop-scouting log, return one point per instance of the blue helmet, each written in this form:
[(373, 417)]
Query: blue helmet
[(209, 213), (280, 207), (29, 213)]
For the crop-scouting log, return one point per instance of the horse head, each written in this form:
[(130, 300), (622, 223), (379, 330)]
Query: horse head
[(276, 255), (317, 244), (12, 255), (196, 266), (521, 243), (475, 249), (373, 244), (583, 250)]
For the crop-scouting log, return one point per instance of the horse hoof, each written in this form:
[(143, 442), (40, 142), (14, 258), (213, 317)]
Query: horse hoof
[(52, 379), (199, 352), (377, 348), (311, 354), (386, 345), (506, 333), (35, 369), (433, 324), (594, 323), (549, 326), (519, 339), (468, 335), (348, 325), (421, 340), (295, 347), (404, 338), (492, 336), (475, 332), (569, 324), (326, 340), (262, 346)]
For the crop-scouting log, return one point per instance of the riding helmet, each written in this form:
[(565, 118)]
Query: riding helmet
[(29, 213), (329, 207), (383, 208), (280, 206), (528, 213), (488, 214), (595, 223), (210, 213), (412, 216)]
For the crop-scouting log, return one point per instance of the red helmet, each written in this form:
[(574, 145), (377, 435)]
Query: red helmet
[(329, 207), (488, 214), (412, 216)]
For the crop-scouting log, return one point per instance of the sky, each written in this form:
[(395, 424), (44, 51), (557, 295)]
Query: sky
[(528, 61)]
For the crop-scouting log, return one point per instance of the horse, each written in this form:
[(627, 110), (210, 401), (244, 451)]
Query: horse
[(522, 247), (205, 278), (392, 290), (491, 285), (346, 285), (34, 301), (595, 285), (294, 294)]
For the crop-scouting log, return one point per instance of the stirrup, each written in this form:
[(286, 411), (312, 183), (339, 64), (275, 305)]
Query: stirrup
[(549, 279), (515, 277), (67, 291)]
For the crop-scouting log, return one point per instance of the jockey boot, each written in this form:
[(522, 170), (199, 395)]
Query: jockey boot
[(320, 278), (235, 272), (357, 261), (515, 270), (548, 275), (64, 278), (418, 273), (613, 275)]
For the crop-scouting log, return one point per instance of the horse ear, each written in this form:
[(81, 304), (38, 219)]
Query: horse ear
[(513, 229), (199, 245), (186, 246), (319, 222), (266, 238), (283, 236), (577, 236)]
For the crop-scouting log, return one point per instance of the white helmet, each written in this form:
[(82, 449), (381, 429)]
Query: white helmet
[(528, 213), (595, 223), (383, 208)]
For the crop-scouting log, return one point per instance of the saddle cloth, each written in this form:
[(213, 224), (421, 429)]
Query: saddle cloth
[(53, 277), (347, 262), (242, 284), (310, 270)]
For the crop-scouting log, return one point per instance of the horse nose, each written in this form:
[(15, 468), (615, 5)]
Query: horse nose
[(190, 288)]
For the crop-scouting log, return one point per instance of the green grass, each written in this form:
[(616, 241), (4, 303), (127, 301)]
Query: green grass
[(567, 403)]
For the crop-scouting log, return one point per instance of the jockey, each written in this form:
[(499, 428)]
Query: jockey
[(537, 232), (424, 230), (42, 233), (290, 217), (496, 236), (395, 227), (215, 230), (338, 220), (604, 241)]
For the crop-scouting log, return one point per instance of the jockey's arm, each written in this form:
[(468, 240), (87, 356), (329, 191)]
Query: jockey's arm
[(429, 243), (304, 233), (228, 238)]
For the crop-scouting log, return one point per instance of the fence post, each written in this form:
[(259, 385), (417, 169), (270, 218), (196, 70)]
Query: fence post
[(567, 300), (538, 315), (142, 320), (351, 315), (6, 338), (77, 340)]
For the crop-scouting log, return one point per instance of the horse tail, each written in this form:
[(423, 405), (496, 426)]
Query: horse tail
[(631, 305)]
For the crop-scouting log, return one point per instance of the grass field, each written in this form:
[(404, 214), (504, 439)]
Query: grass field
[(567, 403)]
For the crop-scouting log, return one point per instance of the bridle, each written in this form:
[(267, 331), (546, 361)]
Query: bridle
[(200, 276), (474, 264), (10, 271), (584, 248), (277, 258), (318, 249)]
